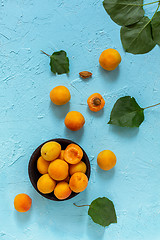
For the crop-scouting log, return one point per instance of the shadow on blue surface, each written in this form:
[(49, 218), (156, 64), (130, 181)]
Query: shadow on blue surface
[(94, 231), (111, 75), (124, 131), (22, 218), (105, 175), (60, 111), (95, 114), (77, 134)]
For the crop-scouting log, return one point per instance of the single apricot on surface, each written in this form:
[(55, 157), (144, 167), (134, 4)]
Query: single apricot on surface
[(73, 154), (50, 150), (62, 190), (60, 95), (79, 167), (61, 156), (106, 160), (22, 202), (78, 182), (96, 102), (74, 120), (109, 59), (46, 184), (42, 165), (58, 169)]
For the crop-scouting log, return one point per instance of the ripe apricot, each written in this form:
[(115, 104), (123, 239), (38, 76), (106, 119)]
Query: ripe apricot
[(62, 190), (61, 156), (73, 154), (79, 167), (74, 120), (46, 184), (60, 95), (58, 169), (50, 150), (96, 102), (22, 202), (109, 59), (42, 165), (106, 160), (78, 182)]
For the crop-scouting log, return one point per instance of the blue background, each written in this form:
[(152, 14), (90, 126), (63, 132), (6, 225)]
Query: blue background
[(83, 29)]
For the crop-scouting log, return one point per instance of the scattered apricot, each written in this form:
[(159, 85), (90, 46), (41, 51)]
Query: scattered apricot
[(42, 165), (96, 102), (74, 120), (78, 182), (73, 154), (61, 156), (62, 190), (109, 59), (60, 95), (46, 184), (22, 202), (58, 169), (106, 160), (79, 167), (50, 150)]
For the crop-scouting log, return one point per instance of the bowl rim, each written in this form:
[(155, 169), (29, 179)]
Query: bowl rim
[(33, 160)]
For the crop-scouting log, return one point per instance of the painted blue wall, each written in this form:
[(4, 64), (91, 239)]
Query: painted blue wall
[(83, 29)]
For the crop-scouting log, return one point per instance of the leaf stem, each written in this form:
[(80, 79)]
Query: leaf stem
[(152, 106), (81, 205), (150, 3), (45, 53)]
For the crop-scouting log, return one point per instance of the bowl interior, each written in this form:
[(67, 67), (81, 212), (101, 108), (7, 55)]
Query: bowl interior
[(34, 175)]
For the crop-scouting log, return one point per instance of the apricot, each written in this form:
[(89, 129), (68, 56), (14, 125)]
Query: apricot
[(61, 156), (50, 150), (95, 102), (46, 184), (58, 170), (78, 182), (106, 160), (42, 165), (73, 154), (79, 167), (60, 95), (22, 202), (74, 120), (62, 190), (109, 59)]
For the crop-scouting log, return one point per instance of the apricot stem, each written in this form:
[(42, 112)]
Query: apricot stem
[(96, 101), (81, 205), (152, 106), (45, 53)]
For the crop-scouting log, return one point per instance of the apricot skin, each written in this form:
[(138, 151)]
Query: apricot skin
[(109, 59), (22, 202), (61, 156), (74, 120), (62, 190), (73, 154), (106, 160), (79, 167), (42, 165), (60, 95), (78, 182), (58, 170), (46, 184), (50, 150)]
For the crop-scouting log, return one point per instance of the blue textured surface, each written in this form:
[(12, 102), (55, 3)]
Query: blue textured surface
[(83, 29)]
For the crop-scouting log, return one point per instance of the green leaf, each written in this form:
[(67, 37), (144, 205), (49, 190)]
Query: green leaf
[(102, 211), (126, 113), (59, 62), (124, 12), (137, 38), (156, 28)]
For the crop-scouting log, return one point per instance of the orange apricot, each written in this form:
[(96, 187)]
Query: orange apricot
[(96, 102), (58, 169), (78, 182), (106, 160), (62, 190), (74, 120), (46, 184), (22, 202), (109, 59), (50, 150), (73, 154), (42, 165), (60, 95), (61, 156), (79, 167)]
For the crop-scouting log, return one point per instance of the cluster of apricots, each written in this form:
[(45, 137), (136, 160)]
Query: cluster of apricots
[(63, 171)]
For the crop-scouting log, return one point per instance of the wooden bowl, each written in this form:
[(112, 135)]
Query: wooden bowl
[(34, 175)]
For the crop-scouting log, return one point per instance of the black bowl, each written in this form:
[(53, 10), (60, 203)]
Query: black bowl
[(34, 175)]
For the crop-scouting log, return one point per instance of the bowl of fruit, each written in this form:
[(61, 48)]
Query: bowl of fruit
[(59, 169)]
